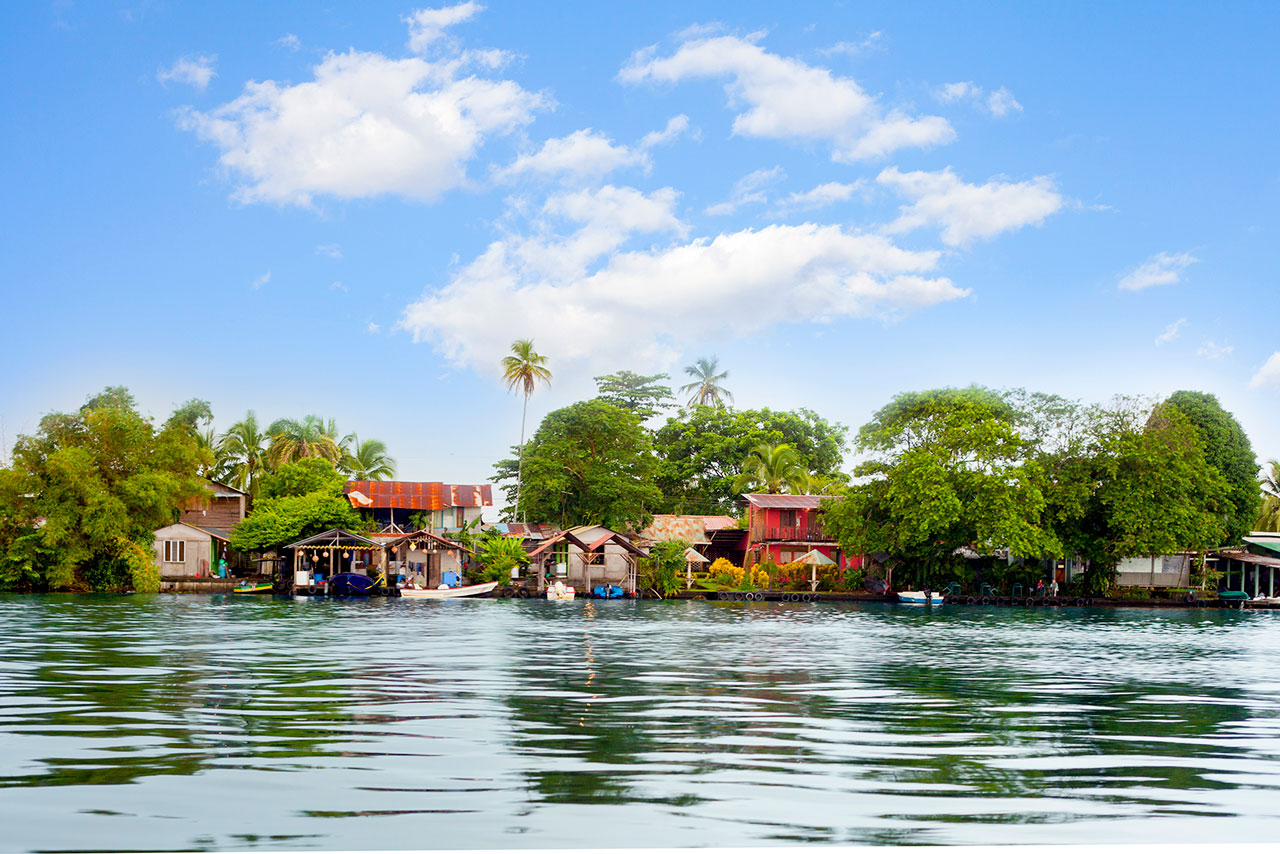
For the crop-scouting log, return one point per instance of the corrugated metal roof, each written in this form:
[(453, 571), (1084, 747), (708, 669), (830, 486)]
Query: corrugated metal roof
[(785, 502), (1249, 557), (690, 528), (420, 495)]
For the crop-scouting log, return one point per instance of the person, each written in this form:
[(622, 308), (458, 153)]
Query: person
[(1053, 588), (1040, 587)]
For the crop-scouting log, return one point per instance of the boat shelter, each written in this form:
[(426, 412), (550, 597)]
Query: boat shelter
[(1251, 569), (586, 556), (426, 558), (333, 552)]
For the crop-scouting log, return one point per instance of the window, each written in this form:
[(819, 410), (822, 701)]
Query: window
[(459, 517), (175, 551), (787, 518)]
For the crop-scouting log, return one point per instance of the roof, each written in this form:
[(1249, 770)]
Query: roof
[(528, 530), (1245, 556), (1270, 544), (417, 495), (225, 490), (335, 537), (690, 528), (424, 534), (216, 533), (786, 502), (563, 535)]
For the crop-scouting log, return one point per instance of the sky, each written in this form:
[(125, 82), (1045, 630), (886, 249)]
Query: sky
[(352, 210)]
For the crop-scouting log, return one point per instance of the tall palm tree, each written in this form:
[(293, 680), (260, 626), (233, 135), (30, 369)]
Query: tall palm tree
[(367, 460), (1269, 515), (295, 440), (773, 468), (523, 370), (243, 452), (706, 389)]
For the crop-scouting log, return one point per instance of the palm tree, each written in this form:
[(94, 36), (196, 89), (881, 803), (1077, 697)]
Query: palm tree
[(243, 453), (523, 370), (706, 389), (1269, 515), (366, 460), (773, 468), (295, 440)]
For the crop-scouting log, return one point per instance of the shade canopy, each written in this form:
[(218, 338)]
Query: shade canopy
[(691, 555), (813, 557)]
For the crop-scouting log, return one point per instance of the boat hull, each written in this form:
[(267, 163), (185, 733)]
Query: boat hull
[(257, 588), (449, 592), (917, 597)]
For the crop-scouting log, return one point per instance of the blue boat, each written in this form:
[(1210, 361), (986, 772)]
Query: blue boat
[(350, 584), (607, 591)]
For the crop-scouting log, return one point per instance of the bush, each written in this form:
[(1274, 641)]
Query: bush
[(663, 571)]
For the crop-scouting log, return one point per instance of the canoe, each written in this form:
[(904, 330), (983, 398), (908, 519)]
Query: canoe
[(448, 592), (916, 597), (253, 588)]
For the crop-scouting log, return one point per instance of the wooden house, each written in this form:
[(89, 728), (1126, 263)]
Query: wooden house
[(424, 558), (219, 511), (184, 550), (785, 527), (401, 506)]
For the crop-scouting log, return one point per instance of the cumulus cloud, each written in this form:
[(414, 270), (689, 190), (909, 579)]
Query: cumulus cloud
[(1162, 268), (967, 212), (750, 189), (789, 99), (584, 153), (676, 125), (855, 48), (427, 26), (586, 292), (1171, 332), (1268, 376), (998, 103), (338, 286), (822, 195), (1214, 350), (366, 125), (195, 71)]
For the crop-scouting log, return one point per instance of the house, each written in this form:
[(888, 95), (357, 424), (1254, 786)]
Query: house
[(401, 506), (184, 550), (785, 527), (586, 557), (1251, 568), (423, 557), (712, 536), (219, 511)]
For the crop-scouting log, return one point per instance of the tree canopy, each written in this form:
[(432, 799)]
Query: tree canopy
[(300, 499), (633, 392), (1228, 449)]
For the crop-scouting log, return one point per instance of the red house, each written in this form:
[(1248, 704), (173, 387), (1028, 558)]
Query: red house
[(784, 527)]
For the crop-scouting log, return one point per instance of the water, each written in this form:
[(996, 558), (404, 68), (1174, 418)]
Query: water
[(188, 722)]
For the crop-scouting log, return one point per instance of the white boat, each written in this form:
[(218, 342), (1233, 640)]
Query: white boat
[(447, 592), (559, 592), (916, 597)]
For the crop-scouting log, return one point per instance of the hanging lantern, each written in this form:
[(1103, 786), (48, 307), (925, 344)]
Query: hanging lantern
[(326, 552), (346, 554)]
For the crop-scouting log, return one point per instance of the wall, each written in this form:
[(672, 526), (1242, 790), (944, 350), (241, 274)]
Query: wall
[(1154, 571), (199, 551)]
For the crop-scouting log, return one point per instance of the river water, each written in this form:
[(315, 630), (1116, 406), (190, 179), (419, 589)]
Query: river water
[(234, 722)]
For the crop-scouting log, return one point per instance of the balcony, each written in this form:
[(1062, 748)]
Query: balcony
[(787, 533)]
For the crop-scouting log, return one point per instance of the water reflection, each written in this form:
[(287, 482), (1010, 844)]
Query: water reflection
[(273, 723)]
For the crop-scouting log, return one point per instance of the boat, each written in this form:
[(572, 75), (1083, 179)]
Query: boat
[(350, 584), (607, 591), (264, 587), (559, 592), (917, 597), (443, 592)]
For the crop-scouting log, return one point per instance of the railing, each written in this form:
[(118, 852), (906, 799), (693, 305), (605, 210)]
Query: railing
[(803, 533)]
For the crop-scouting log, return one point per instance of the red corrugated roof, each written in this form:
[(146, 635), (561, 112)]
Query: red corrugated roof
[(786, 502), (421, 495)]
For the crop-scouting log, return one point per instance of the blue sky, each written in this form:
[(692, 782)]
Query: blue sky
[(352, 210)]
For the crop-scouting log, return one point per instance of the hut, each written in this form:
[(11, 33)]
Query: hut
[(587, 556), (333, 552), (184, 550), (425, 558)]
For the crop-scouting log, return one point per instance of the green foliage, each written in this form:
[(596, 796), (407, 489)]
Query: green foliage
[(773, 469), (706, 390), (1268, 518), (663, 571), (499, 555), (703, 452), (589, 463), (1226, 448), (295, 440), (300, 499), (88, 491), (635, 393), (242, 454), (307, 475), (367, 460)]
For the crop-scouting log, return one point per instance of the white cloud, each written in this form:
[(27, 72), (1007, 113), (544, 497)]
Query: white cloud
[(1162, 268), (583, 153), (373, 328), (750, 189), (1268, 375), (329, 250), (194, 71), (788, 99), (427, 26), (367, 125), (584, 293), (967, 212), (290, 41), (999, 102), (1214, 350), (1171, 332), (262, 280), (822, 195), (676, 125), (855, 48)]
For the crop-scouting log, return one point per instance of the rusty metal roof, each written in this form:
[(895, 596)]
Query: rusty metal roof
[(785, 502), (420, 495)]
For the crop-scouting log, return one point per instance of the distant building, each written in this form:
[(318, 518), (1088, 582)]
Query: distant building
[(785, 527), (712, 536), (219, 511), (184, 550), (402, 506)]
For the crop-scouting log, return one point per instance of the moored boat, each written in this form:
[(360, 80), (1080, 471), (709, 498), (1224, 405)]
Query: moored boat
[(448, 592), (918, 597), (264, 587), (559, 592)]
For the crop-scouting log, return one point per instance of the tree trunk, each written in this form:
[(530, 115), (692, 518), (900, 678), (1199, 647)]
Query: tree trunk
[(520, 465)]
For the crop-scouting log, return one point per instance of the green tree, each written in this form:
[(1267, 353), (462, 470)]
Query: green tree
[(706, 390), (86, 493), (294, 440), (589, 463), (1226, 448), (772, 469), (523, 370), (642, 395), (946, 469), (298, 499), (702, 453), (308, 475), (243, 451), (368, 460), (499, 555), (1269, 513)]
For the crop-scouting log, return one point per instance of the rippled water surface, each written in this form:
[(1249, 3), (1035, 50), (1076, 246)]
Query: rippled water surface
[(248, 722)]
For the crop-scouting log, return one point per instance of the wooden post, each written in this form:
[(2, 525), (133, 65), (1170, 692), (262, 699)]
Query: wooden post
[(688, 574)]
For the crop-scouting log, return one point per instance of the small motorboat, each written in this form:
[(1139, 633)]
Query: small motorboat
[(263, 587), (443, 592), (917, 597), (607, 591), (559, 592)]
